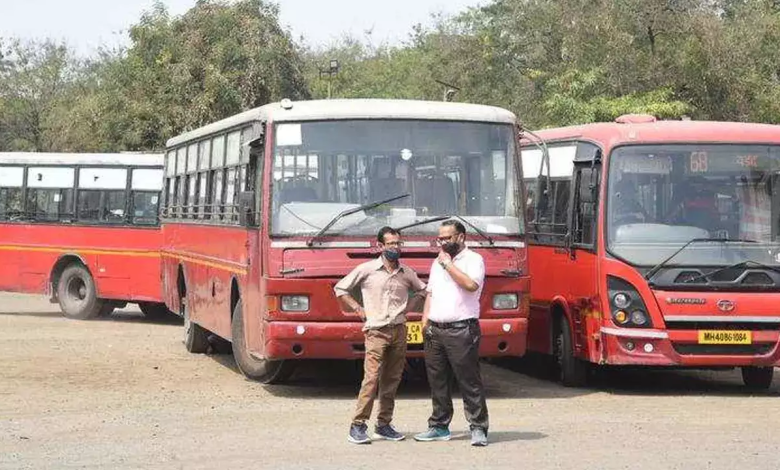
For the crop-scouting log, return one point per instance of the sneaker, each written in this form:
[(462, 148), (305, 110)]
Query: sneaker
[(387, 432), (433, 434), (479, 437), (358, 434)]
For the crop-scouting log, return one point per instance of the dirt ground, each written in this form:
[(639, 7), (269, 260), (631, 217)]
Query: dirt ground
[(123, 393)]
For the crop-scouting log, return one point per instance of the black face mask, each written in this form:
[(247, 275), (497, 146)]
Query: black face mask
[(451, 248), (392, 254)]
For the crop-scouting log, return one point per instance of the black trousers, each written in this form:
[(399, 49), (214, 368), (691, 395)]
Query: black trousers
[(453, 353)]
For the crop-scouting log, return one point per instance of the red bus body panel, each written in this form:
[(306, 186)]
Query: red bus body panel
[(124, 261)]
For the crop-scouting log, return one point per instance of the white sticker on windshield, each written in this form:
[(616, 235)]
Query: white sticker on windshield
[(155, 199), (288, 135), (493, 228)]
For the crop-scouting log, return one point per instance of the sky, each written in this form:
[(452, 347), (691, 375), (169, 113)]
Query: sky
[(87, 24)]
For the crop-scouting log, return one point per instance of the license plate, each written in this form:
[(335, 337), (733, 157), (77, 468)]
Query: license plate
[(414, 334), (725, 337)]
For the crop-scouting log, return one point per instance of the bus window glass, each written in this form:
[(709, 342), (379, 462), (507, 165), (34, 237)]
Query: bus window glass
[(145, 207), (447, 168), (662, 196), (218, 152), (233, 150)]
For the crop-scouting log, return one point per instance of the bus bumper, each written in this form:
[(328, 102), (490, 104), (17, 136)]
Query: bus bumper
[(629, 346), (345, 340)]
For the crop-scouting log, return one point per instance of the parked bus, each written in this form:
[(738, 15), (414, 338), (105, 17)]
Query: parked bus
[(655, 243), (83, 228), (266, 210)]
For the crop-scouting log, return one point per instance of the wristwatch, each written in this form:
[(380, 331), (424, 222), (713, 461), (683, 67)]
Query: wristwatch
[(444, 264)]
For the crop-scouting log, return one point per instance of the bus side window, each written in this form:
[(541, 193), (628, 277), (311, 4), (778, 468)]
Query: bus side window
[(11, 193)]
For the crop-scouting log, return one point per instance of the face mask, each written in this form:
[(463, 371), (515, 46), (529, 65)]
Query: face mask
[(392, 254), (451, 248)]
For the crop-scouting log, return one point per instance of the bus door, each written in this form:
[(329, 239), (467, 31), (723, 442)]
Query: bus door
[(581, 252)]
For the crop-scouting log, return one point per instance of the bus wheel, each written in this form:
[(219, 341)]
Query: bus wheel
[(154, 310), (196, 338), (573, 372), (262, 370), (77, 294), (758, 378)]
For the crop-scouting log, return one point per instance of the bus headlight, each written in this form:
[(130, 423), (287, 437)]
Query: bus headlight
[(623, 295), (638, 317), (295, 303), (505, 302), (621, 300)]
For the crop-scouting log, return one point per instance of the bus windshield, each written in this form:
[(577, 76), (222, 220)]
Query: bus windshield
[(324, 168), (663, 196)]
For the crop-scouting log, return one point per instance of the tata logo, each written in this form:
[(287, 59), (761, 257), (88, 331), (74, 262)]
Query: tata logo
[(685, 301), (726, 306)]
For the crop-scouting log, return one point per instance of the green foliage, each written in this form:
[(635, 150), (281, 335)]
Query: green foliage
[(553, 62)]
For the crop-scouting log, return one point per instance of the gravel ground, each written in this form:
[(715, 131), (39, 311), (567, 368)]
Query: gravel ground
[(123, 393)]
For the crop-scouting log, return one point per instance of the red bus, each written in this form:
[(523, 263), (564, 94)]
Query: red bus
[(266, 210), (655, 243), (83, 228)]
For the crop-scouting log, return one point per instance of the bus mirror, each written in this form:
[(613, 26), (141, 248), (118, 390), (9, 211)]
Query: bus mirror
[(541, 193), (587, 195), (587, 188), (246, 203)]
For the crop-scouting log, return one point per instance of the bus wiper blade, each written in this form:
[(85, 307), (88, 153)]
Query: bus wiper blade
[(423, 222), (347, 212), (479, 231), (741, 264), (649, 275)]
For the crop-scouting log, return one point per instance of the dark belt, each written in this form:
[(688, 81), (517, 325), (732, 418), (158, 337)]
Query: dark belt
[(455, 324)]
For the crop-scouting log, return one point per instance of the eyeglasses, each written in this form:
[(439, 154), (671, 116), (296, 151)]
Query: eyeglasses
[(397, 244), (443, 240)]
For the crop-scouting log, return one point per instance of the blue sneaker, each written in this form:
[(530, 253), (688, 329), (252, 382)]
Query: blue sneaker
[(388, 433), (358, 434), (433, 434)]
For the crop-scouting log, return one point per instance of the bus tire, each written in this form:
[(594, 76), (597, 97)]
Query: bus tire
[(196, 338), (77, 294), (573, 372), (758, 378), (264, 371), (154, 310)]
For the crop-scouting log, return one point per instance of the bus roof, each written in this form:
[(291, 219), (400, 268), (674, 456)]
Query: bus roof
[(612, 134), (321, 110), (82, 159)]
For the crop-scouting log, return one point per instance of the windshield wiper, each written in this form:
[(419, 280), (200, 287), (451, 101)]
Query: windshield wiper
[(438, 218), (742, 264), (347, 212), (649, 275)]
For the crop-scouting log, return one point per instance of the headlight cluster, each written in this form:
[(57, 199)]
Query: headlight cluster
[(627, 307)]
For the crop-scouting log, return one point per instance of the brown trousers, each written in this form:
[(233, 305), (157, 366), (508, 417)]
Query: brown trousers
[(383, 369)]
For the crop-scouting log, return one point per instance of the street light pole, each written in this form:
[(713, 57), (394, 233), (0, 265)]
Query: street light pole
[(331, 70)]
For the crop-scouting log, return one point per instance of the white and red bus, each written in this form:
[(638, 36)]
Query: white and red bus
[(655, 243), (266, 210), (83, 228)]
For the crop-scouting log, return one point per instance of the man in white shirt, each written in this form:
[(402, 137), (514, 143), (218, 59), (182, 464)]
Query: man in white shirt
[(452, 335)]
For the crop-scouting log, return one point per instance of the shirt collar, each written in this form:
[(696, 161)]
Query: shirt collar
[(462, 253), (378, 264)]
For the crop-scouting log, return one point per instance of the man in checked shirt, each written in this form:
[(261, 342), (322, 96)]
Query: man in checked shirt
[(385, 285)]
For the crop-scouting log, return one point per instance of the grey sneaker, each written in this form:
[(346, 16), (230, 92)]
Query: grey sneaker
[(387, 432), (358, 434), (479, 437), (433, 434)]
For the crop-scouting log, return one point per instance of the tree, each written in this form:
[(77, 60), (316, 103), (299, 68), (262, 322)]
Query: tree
[(34, 78), (180, 73)]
